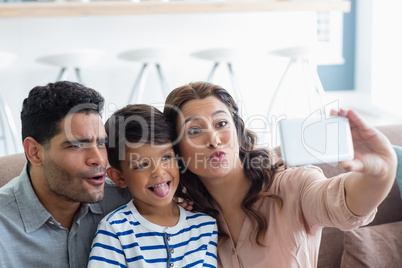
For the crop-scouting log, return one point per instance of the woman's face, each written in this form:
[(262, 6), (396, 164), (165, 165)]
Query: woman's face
[(208, 141)]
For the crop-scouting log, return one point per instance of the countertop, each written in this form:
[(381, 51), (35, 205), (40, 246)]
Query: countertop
[(105, 8)]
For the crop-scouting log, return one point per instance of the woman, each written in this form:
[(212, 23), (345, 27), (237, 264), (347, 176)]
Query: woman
[(269, 215)]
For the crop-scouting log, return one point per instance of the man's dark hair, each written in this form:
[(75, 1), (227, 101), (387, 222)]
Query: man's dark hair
[(137, 123), (46, 106)]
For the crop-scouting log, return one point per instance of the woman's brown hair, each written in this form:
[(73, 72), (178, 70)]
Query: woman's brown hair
[(260, 175)]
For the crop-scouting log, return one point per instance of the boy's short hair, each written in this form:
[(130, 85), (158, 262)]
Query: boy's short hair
[(136, 123)]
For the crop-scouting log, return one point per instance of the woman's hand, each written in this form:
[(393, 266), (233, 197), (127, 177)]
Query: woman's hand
[(186, 204), (373, 167), (373, 151)]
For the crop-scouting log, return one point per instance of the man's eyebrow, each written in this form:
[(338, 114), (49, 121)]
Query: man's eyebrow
[(84, 140), (193, 118)]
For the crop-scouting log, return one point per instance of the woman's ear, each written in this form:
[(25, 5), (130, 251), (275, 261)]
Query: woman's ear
[(116, 176), (34, 151)]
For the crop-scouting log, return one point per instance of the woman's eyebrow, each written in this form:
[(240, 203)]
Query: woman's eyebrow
[(193, 118)]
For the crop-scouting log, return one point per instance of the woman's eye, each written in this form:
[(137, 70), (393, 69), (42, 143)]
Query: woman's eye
[(222, 124), (193, 131), (141, 166)]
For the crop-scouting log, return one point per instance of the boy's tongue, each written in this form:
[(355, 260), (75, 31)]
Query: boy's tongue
[(162, 191)]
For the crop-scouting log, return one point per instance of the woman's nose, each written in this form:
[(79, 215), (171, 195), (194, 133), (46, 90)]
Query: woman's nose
[(213, 139)]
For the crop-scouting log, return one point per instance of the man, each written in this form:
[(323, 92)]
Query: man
[(49, 214)]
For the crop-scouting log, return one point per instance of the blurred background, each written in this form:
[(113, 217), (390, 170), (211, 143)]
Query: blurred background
[(353, 46)]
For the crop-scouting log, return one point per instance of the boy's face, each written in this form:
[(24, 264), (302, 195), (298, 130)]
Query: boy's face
[(151, 173)]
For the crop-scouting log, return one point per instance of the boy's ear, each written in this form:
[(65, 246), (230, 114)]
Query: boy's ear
[(33, 151), (116, 176)]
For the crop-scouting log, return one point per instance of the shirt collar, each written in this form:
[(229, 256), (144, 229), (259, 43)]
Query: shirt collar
[(94, 208), (33, 213)]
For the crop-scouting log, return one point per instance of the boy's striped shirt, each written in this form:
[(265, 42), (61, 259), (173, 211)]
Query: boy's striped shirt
[(126, 239)]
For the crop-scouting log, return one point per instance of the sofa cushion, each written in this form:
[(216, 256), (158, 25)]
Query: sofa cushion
[(398, 151), (11, 166), (373, 246)]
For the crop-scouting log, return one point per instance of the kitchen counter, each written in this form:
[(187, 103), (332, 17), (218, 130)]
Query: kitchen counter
[(105, 8)]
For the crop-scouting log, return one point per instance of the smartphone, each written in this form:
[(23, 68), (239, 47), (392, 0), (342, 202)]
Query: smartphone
[(315, 140)]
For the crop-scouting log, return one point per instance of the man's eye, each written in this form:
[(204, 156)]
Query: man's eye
[(102, 144), (77, 145), (194, 131)]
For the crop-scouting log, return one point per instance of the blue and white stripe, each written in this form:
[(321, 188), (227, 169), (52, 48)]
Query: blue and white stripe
[(126, 239)]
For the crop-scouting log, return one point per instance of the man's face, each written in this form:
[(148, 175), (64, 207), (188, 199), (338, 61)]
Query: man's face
[(75, 159)]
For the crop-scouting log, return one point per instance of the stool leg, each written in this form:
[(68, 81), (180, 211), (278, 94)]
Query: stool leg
[(139, 85), (78, 74), (211, 74), (10, 124), (163, 81), (319, 87), (271, 104), (236, 89), (316, 85), (61, 74), (305, 70)]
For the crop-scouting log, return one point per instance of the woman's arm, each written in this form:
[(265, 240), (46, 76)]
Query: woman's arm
[(373, 167)]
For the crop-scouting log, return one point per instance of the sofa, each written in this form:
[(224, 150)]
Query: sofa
[(376, 245)]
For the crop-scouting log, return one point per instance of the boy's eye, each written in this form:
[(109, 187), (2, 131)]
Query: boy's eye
[(194, 131), (141, 166), (167, 157)]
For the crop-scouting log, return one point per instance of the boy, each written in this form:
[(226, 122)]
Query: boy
[(151, 230)]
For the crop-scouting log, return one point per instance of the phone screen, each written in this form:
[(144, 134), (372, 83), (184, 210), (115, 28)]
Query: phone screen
[(315, 140)]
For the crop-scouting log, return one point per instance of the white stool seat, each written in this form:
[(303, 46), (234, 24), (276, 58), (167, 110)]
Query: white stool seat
[(224, 56), (220, 54), (294, 52), (6, 118), (6, 59), (150, 55), (72, 59), (304, 58), (147, 57)]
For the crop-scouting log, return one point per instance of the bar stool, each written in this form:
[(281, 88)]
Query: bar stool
[(72, 60), (301, 60), (224, 56), (148, 57), (6, 118)]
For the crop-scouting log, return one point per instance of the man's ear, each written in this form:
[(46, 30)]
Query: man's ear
[(116, 176), (34, 151)]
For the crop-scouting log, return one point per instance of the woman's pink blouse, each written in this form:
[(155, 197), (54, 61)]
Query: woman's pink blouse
[(310, 202)]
